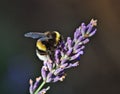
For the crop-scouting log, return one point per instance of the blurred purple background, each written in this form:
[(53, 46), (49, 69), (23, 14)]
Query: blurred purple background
[(99, 70)]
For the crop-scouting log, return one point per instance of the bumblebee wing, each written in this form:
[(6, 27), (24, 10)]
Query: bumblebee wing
[(35, 35), (45, 38)]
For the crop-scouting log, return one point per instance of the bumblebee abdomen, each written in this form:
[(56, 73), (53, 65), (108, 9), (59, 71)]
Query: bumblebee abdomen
[(42, 56)]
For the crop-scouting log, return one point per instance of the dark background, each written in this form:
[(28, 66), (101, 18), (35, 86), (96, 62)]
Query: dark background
[(99, 70)]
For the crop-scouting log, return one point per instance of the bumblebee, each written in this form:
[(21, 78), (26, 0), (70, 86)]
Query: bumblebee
[(46, 43)]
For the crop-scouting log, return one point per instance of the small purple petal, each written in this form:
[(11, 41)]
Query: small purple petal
[(62, 54), (82, 24), (31, 86), (43, 72), (76, 46), (69, 42), (76, 55), (89, 26), (68, 39), (83, 30), (79, 49), (64, 60), (43, 91), (80, 39), (45, 63), (65, 47), (57, 71), (63, 65), (57, 52), (57, 61), (92, 33), (49, 65), (69, 51), (77, 33), (73, 65), (49, 77), (85, 41), (82, 47), (57, 55), (36, 83), (57, 78)]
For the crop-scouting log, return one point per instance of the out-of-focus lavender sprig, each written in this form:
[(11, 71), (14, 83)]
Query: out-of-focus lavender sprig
[(67, 55)]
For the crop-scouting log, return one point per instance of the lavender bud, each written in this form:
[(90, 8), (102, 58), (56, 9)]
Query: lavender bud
[(69, 42), (56, 79), (59, 78), (62, 54), (69, 51), (43, 72), (85, 41), (76, 34), (79, 49), (76, 46), (50, 66), (64, 60), (63, 65), (83, 30), (57, 54), (80, 39), (57, 71), (43, 91), (31, 86), (82, 47), (92, 33), (89, 26), (62, 78), (73, 65), (36, 83), (49, 77), (76, 55)]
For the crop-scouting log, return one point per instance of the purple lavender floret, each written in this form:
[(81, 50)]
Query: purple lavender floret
[(67, 55)]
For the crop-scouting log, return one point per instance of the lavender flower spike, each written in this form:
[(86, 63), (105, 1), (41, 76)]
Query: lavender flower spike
[(66, 55)]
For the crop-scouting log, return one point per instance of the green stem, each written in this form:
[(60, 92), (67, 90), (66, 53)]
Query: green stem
[(43, 83)]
